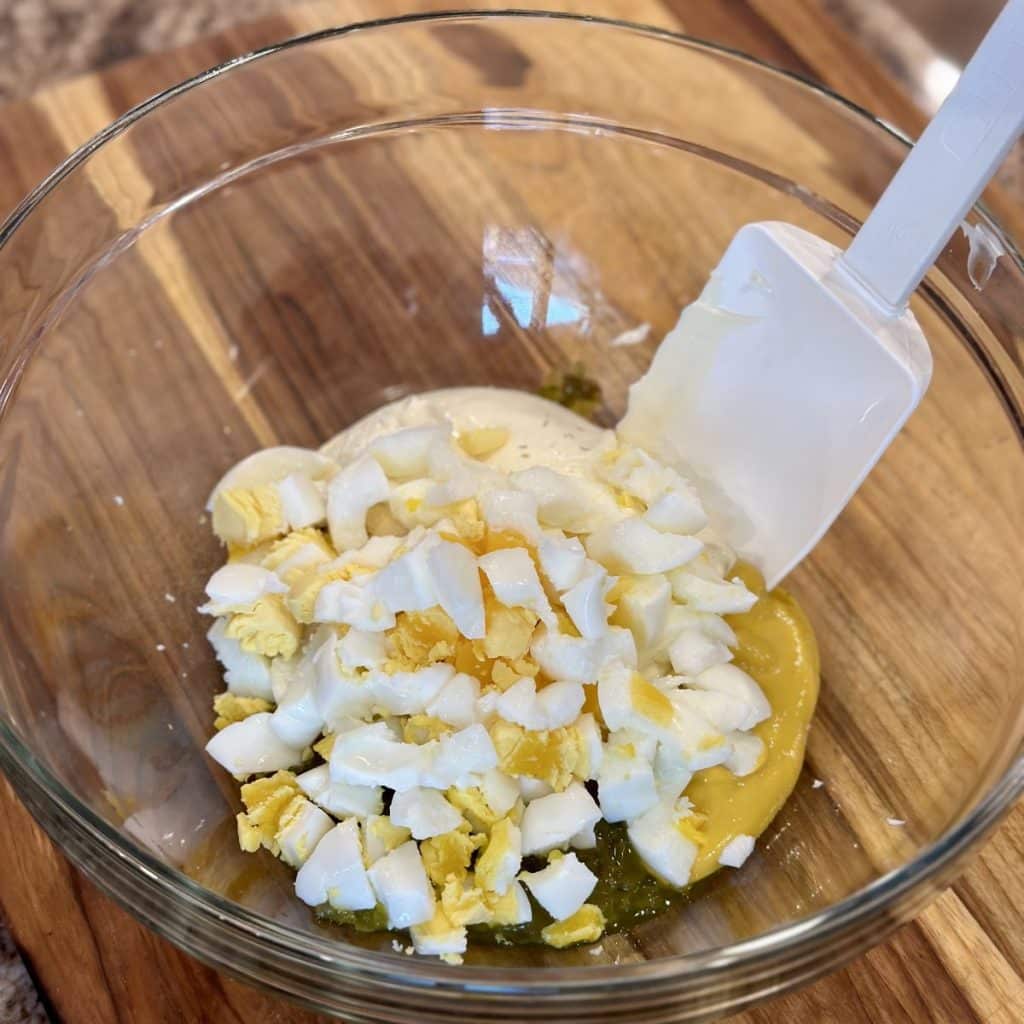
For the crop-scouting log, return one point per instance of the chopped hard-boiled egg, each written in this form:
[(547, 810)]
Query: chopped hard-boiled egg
[(722, 597), (735, 852), (626, 783), (334, 871), (632, 545), (424, 812), (464, 638), (562, 887), (514, 580), (667, 850), (302, 501), (551, 821), (567, 502), (586, 925), (339, 798), (300, 828), (438, 936), (350, 495), (642, 606), (456, 702), (584, 602), (405, 454), (693, 651), (511, 511), (562, 559), (246, 674), (456, 579), (237, 586), (252, 746), (498, 865), (371, 756), (248, 516), (402, 886), (557, 705)]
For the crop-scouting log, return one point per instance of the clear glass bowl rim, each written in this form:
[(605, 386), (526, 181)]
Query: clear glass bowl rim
[(849, 926)]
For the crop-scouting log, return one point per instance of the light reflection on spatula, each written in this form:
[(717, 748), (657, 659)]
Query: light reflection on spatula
[(791, 374)]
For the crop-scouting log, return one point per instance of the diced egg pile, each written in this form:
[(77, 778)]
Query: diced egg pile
[(437, 668)]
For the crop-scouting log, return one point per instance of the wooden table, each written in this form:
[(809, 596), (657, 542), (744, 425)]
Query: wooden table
[(961, 961)]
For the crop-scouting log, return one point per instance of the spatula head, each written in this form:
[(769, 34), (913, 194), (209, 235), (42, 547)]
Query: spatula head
[(779, 389)]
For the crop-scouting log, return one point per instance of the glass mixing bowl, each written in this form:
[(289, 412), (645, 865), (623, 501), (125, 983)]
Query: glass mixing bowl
[(269, 251)]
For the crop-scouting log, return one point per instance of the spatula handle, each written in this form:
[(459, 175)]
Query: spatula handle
[(946, 171)]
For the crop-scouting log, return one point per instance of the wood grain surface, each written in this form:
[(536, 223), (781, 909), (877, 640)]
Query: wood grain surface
[(961, 960)]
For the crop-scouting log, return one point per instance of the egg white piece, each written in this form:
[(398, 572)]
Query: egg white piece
[(408, 693), (252, 746), (307, 556), (626, 786), (732, 681), (406, 584), (585, 839), (681, 617), (297, 719), (302, 502), (621, 707), (339, 798), (590, 733), (514, 580), (725, 712), (299, 836), (515, 511), (273, 464), (359, 648), (456, 580), (584, 602), (237, 586), (735, 853), (339, 693), (551, 821), (431, 942), (371, 756), (632, 545), (424, 812), (246, 674), (578, 659), (334, 872), (699, 743), (558, 704), (532, 789), (672, 772), (564, 502), (562, 887), (456, 701), (693, 651), (458, 756), (523, 912), (721, 597), (353, 603), (665, 851), (405, 453), (643, 608), (401, 884), (746, 753), (501, 791), (562, 559), (352, 492)]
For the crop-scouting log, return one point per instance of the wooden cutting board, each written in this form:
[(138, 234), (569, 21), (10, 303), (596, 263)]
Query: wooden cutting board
[(961, 961)]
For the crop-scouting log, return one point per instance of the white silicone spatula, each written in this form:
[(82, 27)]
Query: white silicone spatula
[(784, 383)]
